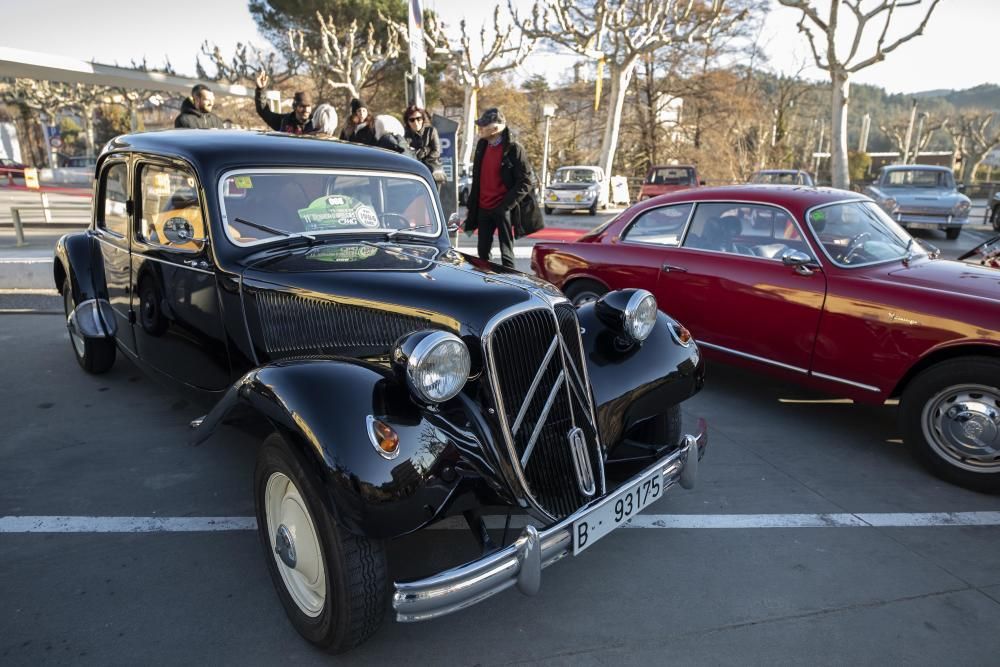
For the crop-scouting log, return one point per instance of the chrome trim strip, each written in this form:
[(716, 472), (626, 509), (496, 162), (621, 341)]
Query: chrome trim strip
[(543, 417), (175, 265), (753, 357), (833, 378), (534, 385), (521, 562)]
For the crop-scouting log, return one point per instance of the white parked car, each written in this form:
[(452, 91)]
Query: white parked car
[(577, 187)]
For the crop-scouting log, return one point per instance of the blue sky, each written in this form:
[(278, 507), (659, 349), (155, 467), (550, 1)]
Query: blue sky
[(956, 51)]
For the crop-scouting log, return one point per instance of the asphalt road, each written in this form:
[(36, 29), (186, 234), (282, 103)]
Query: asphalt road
[(115, 446)]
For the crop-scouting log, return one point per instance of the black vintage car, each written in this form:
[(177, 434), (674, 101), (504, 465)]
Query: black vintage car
[(308, 289)]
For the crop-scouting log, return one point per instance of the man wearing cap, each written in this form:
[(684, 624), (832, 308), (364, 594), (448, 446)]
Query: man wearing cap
[(298, 121), (501, 197), (196, 112)]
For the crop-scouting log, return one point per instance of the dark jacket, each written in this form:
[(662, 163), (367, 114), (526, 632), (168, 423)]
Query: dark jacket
[(426, 146), (394, 142), (193, 119), (519, 179), (280, 122), (359, 134)]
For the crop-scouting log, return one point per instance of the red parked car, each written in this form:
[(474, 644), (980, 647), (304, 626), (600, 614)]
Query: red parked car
[(822, 287), (668, 178)]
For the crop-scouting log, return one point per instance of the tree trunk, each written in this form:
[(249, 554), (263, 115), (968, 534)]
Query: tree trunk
[(88, 127), (469, 134), (971, 162), (838, 130), (619, 87)]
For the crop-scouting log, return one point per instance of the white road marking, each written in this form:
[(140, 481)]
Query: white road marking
[(128, 524)]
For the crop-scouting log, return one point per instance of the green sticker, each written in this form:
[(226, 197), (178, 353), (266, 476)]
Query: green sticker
[(818, 216), (333, 211), (243, 182)]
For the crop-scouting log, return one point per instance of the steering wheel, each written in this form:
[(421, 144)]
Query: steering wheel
[(854, 245), (404, 222)]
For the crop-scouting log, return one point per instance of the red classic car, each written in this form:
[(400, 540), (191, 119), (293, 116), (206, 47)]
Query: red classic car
[(822, 287)]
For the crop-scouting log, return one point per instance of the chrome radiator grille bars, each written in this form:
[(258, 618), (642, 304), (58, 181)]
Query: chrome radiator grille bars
[(542, 395)]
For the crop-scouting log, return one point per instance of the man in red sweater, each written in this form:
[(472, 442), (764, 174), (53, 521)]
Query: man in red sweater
[(500, 198)]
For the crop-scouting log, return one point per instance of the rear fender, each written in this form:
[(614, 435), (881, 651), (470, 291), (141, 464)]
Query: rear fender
[(324, 407), (634, 382)]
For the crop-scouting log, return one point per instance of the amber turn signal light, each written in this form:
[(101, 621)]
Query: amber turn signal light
[(383, 437)]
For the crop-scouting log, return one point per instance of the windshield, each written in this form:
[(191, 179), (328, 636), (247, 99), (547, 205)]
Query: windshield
[(574, 176), (315, 202), (856, 233), (918, 178), (670, 176)]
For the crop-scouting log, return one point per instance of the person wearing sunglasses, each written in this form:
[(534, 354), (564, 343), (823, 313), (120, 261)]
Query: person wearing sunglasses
[(298, 121), (424, 141)]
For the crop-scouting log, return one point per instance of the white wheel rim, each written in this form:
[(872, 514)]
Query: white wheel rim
[(74, 337), (286, 513)]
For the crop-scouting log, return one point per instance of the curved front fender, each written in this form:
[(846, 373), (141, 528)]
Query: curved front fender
[(77, 257), (324, 405), (635, 382)]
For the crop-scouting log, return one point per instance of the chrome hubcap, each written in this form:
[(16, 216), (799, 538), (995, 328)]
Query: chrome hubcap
[(295, 544), (962, 424)]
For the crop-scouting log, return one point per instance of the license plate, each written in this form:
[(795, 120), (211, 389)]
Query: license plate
[(624, 505)]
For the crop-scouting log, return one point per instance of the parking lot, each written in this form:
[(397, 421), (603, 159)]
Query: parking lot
[(691, 588), (811, 538)]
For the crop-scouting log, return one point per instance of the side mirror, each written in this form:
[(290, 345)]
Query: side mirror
[(802, 262), (932, 250), (961, 187), (454, 223), (179, 231), (701, 183)]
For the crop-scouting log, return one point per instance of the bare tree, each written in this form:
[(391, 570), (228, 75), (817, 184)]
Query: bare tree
[(618, 33), (48, 97), (240, 68), (346, 58), (497, 53), (839, 67), (975, 135), (897, 128)]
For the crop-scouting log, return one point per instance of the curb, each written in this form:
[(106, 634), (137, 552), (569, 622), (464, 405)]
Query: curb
[(26, 273)]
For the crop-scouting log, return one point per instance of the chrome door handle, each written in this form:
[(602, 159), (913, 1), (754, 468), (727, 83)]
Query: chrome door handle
[(667, 268), (196, 263)]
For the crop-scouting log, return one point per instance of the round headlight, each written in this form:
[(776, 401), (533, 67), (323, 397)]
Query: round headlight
[(437, 364), (961, 209), (640, 315), (889, 204)]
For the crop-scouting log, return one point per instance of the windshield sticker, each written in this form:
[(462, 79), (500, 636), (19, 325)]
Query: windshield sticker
[(243, 182), (366, 215), (818, 216), (331, 212)]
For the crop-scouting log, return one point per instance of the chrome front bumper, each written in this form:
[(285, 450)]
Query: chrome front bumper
[(522, 562), (916, 221)]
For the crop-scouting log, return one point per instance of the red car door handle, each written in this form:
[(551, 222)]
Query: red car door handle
[(667, 268)]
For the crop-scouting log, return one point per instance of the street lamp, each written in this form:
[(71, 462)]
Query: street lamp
[(548, 111)]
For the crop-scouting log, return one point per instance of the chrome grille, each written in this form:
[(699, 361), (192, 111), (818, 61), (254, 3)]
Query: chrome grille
[(294, 325), (540, 382)]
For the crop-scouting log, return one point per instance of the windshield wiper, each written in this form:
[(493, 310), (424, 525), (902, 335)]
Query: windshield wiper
[(391, 234), (274, 230)]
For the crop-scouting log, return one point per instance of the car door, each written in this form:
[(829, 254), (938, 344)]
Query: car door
[(178, 328), (111, 230), (727, 283)]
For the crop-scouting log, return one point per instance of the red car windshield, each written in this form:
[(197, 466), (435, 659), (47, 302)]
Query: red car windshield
[(670, 176)]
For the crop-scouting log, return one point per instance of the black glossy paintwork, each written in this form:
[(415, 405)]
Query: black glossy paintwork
[(205, 332), (632, 382)]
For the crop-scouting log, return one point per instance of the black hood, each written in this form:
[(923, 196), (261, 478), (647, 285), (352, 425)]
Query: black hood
[(387, 286)]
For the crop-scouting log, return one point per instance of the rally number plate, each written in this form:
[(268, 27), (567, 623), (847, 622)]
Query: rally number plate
[(624, 505)]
